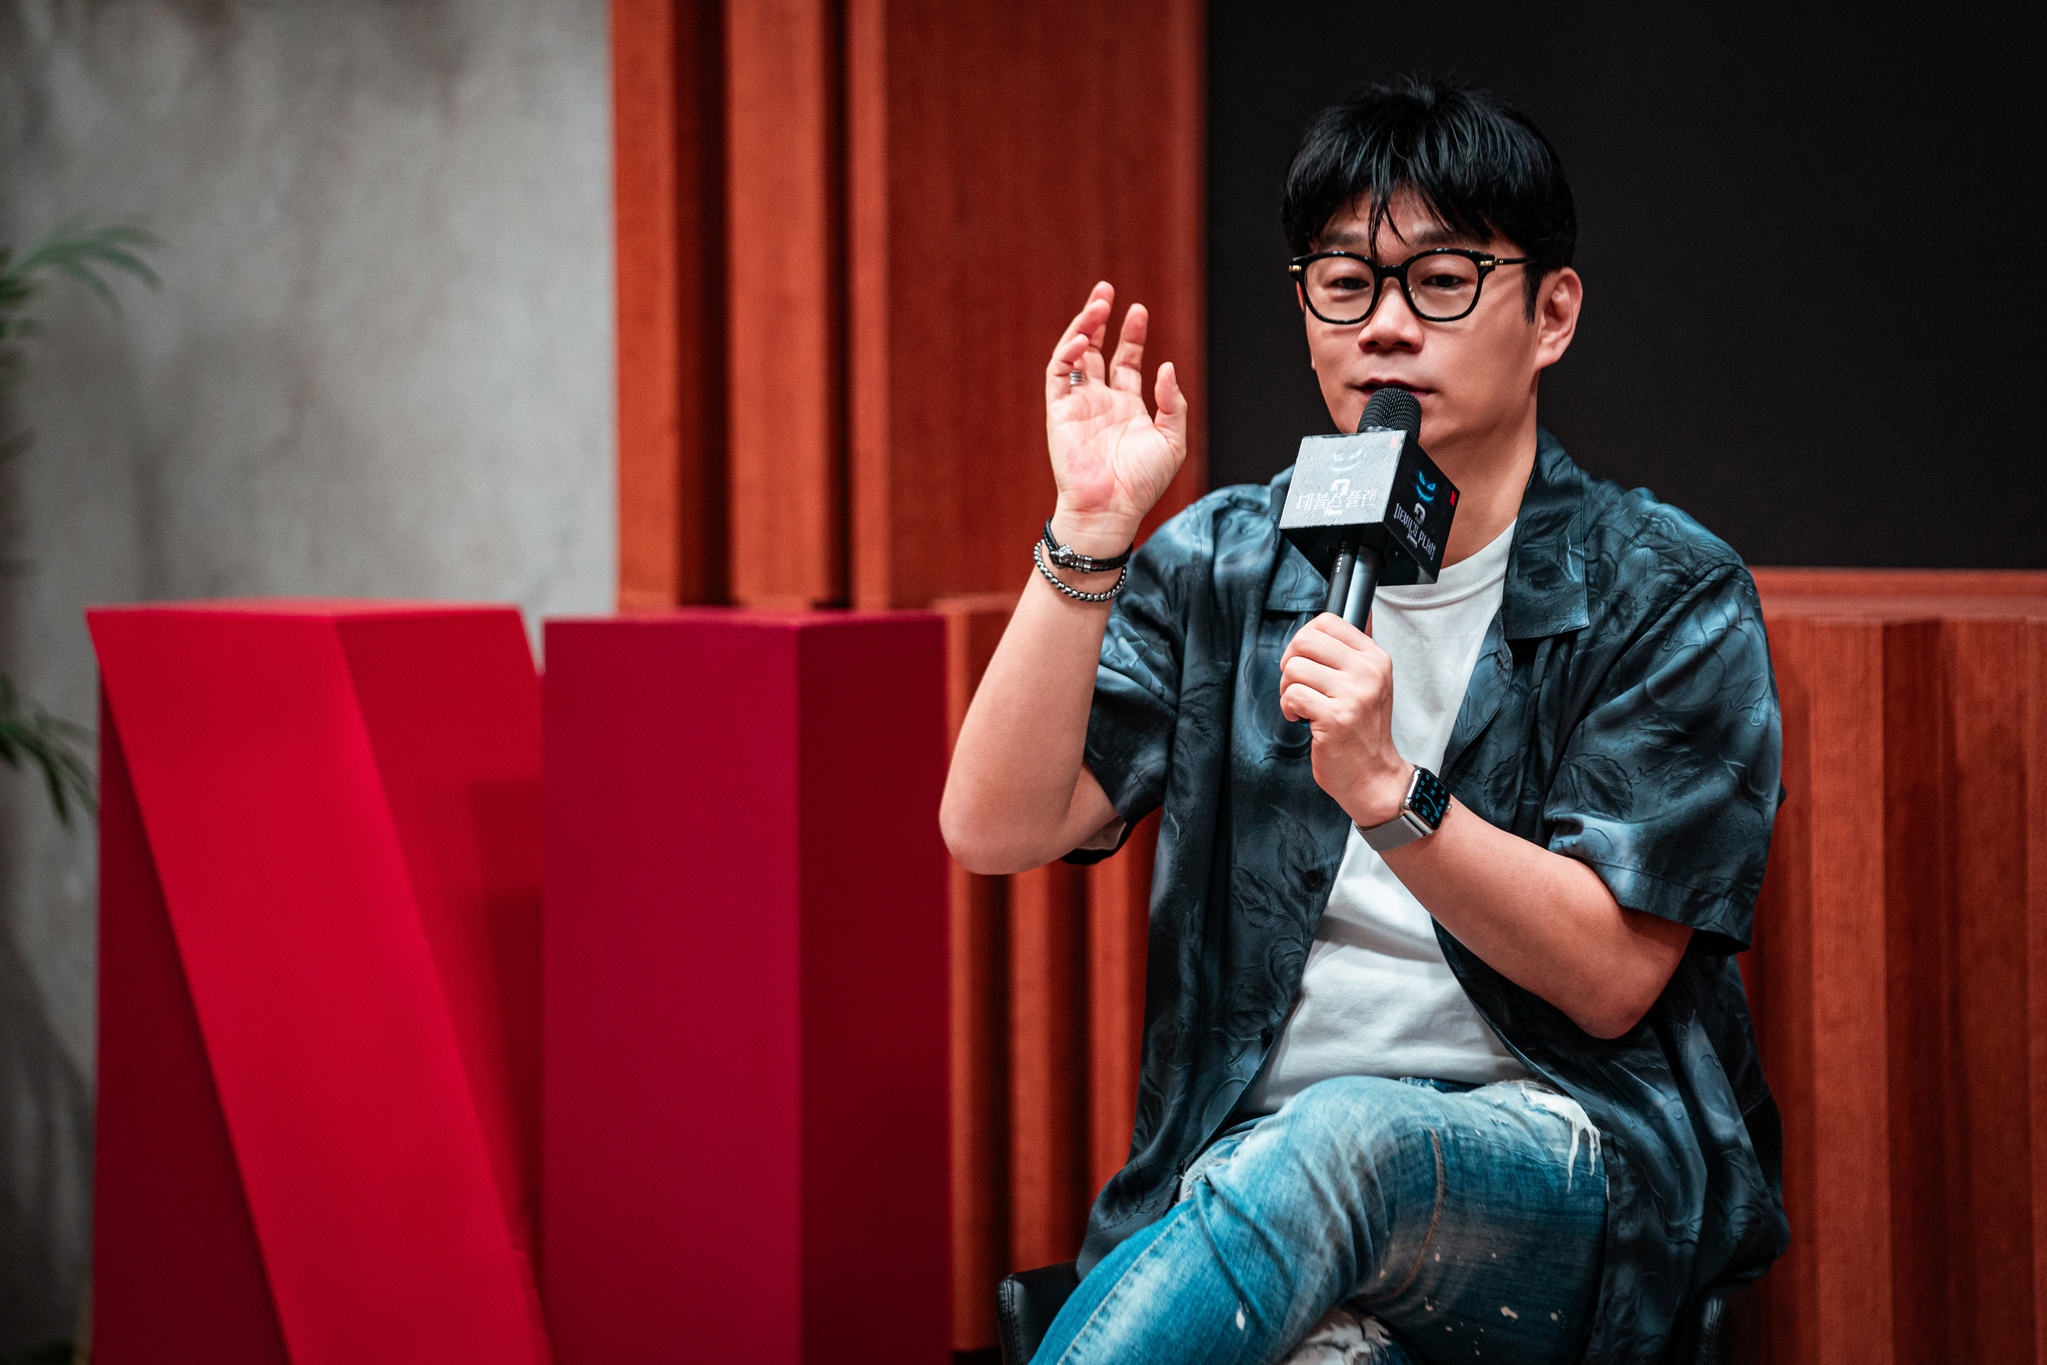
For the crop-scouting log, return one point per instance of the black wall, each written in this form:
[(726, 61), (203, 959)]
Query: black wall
[(1811, 246)]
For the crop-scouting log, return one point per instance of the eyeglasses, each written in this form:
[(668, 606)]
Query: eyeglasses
[(1441, 285)]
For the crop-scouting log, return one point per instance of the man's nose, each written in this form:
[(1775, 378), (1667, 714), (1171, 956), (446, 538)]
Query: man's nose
[(1392, 324)]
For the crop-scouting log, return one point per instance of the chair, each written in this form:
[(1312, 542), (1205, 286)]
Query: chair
[(1026, 1303)]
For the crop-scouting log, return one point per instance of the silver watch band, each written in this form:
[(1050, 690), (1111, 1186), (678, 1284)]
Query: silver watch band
[(1403, 828)]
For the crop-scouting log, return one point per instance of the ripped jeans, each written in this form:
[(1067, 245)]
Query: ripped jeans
[(1386, 1222)]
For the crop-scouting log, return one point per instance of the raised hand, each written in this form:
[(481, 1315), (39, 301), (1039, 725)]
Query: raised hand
[(1112, 459)]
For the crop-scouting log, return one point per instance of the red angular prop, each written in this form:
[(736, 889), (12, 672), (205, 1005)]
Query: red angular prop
[(318, 1108)]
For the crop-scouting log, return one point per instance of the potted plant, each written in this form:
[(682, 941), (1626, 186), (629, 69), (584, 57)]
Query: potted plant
[(30, 736)]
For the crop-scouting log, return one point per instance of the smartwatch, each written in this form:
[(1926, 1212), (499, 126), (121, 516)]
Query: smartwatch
[(1421, 813)]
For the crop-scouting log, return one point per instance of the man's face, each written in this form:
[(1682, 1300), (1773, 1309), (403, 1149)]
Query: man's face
[(1475, 377)]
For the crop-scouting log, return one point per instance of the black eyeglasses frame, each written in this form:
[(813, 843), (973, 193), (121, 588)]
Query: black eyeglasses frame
[(1486, 262)]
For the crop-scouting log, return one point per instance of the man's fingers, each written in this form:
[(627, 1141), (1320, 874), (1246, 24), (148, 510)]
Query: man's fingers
[(1298, 701), (1126, 372), (1331, 639), (1083, 337), (1314, 643), (1172, 403), (1084, 331), (1172, 406), (1320, 676)]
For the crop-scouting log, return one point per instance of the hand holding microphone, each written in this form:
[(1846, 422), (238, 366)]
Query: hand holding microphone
[(1358, 507)]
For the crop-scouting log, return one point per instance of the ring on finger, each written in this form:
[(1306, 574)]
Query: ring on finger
[(1076, 378)]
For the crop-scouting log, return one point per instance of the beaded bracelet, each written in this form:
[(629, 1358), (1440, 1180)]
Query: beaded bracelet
[(1038, 558)]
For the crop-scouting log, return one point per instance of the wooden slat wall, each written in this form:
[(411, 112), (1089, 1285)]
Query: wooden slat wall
[(1048, 1013), (786, 277), (1898, 974), (668, 198), (1003, 159)]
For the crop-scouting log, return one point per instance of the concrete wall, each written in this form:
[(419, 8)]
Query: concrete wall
[(380, 364)]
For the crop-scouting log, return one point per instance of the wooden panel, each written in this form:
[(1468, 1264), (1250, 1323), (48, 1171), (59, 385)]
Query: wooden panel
[(1001, 160), (980, 1015), (1119, 915), (785, 282), (1778, 584), (667, 166), (1048, 1144), (2032, 663), (1897, 1011), (1850, 1128), (1987, 1252), (1777, 974)]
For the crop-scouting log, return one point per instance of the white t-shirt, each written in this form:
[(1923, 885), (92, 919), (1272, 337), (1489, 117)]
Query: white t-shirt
[(1378, 999)]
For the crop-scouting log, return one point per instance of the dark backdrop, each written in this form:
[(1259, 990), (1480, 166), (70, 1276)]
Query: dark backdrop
[(1811, 252)]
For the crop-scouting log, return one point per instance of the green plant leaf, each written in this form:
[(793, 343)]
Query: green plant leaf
[(56, 748)]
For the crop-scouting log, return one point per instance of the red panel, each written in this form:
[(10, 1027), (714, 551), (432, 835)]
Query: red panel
[(338, 1014), (746, 989), (177, 1275), (452, 707)]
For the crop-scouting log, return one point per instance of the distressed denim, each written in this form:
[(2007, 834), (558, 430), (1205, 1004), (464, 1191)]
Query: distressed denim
[(1449, 1224)]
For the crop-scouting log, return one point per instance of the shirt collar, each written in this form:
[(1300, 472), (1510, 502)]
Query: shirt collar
[(1545, 593), (1545, 589)]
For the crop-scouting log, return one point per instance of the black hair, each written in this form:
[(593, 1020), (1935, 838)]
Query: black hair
[(1478, 164)]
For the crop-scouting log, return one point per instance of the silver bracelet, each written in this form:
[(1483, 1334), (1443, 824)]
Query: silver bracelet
[(1038, 558)]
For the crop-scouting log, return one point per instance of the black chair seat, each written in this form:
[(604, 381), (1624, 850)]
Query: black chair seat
[(1026, 1303)]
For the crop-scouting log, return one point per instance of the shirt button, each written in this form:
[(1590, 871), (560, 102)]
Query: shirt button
[(1265, 1036), (1312, 879)]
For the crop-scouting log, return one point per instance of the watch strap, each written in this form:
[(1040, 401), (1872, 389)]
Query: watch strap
[(1421, 812)]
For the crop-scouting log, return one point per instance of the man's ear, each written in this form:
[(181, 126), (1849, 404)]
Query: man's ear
[(1556, 316)]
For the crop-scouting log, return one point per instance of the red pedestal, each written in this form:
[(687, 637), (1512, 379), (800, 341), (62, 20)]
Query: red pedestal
[(746, 1059), (318, 1109)]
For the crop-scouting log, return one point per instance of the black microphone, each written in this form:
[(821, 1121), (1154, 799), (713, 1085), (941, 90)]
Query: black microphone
[(1358, 502)]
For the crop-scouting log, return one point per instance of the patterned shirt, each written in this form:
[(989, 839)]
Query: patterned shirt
[(1622, 712)]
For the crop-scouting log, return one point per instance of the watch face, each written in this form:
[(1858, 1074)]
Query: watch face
[(1430, 799)]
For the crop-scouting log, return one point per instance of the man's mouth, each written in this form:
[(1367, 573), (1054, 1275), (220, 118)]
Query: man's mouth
[(1372, 386)]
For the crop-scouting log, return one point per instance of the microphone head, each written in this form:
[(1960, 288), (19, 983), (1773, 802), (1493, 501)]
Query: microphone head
[(1393, 409), (1376, 488)]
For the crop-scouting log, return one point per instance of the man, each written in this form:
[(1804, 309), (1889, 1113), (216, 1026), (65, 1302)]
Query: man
[(1481, 1087)]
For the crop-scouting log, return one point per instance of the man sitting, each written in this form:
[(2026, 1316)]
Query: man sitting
[(1475, 1088)]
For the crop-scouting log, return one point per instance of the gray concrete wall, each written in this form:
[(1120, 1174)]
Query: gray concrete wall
[(380, 364)]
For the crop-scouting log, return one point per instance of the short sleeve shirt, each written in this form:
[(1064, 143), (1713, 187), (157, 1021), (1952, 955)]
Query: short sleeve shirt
[(1622, 711)]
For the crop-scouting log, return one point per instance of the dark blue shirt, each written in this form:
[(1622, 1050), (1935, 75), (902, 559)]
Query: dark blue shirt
[(1622, 712)]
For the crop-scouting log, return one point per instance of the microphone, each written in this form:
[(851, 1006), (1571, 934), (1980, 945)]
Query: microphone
[(1357, 502)]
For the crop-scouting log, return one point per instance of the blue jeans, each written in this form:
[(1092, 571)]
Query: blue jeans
[(1456, 1224)]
